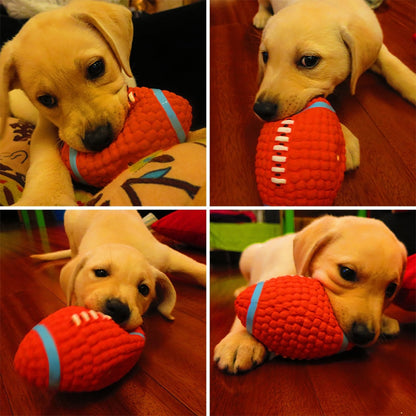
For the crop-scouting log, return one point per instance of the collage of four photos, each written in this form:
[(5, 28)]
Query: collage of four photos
[(208, 207)]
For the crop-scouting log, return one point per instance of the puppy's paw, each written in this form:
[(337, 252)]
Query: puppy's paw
[(261, 18), (239, 351), (390, 327), (352, 149)]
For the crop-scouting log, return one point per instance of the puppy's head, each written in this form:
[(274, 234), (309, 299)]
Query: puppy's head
[(69, 62), (360, 263), (306, 50), (117, 280)]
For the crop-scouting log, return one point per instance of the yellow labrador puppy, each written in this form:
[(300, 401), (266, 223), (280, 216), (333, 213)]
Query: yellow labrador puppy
[(71, 64), (360, 263), (118, 267), (308, 47)]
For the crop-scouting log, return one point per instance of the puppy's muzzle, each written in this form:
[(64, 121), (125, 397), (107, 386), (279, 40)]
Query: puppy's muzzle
[(266, 110), (360, 334), (99, 138), (118, 310)]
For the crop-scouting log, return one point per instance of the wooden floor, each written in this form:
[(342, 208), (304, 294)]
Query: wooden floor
[(169, 378), (374, 382), (378, 116)]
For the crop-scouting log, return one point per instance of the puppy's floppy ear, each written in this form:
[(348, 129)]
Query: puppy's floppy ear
[(404, 259), (165, 294), (113, 22), (310, 240), (260, 70), (364, 41), (69, 274), (8, 81)]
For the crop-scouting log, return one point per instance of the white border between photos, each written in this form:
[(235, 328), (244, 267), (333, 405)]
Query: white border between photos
[(208, 208)]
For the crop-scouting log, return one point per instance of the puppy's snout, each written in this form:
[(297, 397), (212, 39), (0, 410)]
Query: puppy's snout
[(266, 110), (361, 334), (99, 138), (118, 310)]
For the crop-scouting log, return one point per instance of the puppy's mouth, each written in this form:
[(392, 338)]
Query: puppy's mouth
[(270, 110)]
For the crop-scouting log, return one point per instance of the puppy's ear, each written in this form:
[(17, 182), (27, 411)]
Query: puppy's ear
[(165, 294), (364, 41), (8, 80), (404, 259), (68, 276), (310, 240), (114, 22), (260, 70)]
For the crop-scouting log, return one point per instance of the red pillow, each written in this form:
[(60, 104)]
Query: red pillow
[(185, 226)]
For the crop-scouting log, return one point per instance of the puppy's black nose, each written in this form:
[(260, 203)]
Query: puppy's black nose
[(265, 110), (360, 334), (99, 138), (118, 310)]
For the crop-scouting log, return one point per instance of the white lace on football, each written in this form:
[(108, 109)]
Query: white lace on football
[(131, 96), (280, 148), (282, 137), (85, 316)]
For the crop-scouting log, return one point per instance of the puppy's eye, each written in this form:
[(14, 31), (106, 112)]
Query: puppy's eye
[(48, 101), (96, 70), (265, 56), (101, 273), (144, 289), (309, 61), (391, 289), (348, 274)]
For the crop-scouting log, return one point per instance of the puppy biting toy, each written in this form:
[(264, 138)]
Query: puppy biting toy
[(156, 120), (76, 350), (301, 160), (292, 317)]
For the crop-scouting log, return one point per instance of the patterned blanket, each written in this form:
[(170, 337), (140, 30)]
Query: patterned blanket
[(172, 177)]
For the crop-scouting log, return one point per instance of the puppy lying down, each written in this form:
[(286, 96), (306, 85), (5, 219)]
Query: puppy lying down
[(68, 69), (308, 47), (118, 267), (360, 263)]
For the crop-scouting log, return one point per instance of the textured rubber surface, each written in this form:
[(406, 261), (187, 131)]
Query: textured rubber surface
[(85, 353), (291, 316), (150, 126), (301, 160)]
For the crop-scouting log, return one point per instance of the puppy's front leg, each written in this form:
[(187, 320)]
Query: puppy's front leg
[(48, 181), (390, 327), (352, 149), (239, 351)]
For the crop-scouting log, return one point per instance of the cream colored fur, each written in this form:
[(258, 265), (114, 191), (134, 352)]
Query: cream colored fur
[(120, 243), (347, 38), (364, 245), (50, 56)]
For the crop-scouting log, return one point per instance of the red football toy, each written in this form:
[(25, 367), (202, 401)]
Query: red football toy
[(301, 160), (76, 349), (291, 316), (156, 120)]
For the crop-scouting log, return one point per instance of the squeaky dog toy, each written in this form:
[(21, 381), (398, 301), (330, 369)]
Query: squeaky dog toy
[(156, 120), (301, 160), (292, 317), (77, 350)]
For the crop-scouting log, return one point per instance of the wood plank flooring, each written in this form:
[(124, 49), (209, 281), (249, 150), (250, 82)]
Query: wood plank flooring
[(377, 381), (169, 378), (377, 115)]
